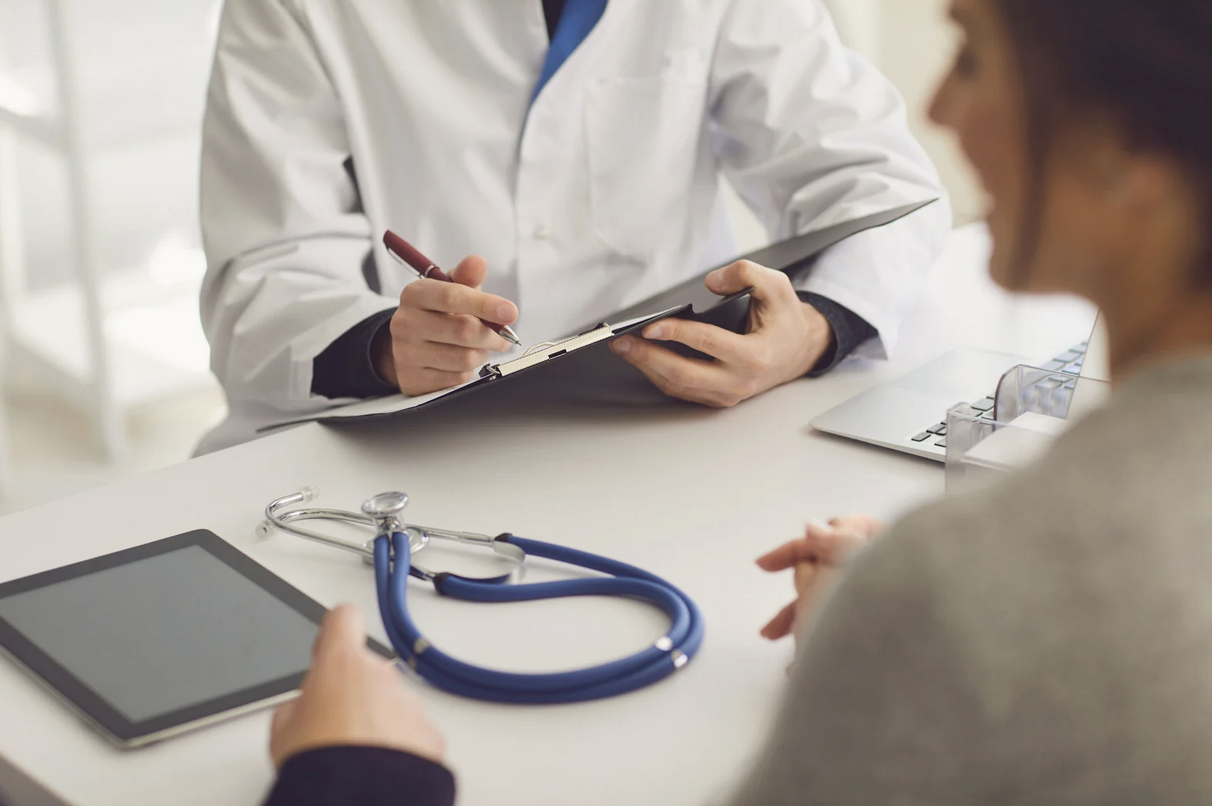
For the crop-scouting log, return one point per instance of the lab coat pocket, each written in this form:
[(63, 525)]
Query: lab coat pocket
[(643, 142)]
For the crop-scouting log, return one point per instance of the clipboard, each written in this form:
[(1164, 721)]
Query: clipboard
[(583, 362)]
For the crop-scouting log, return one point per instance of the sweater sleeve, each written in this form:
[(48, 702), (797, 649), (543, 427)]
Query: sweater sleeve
[(878, 707), (366, 776)]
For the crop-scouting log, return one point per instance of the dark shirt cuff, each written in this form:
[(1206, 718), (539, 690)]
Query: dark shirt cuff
[(346, 368), (366, 776), (849, 331)]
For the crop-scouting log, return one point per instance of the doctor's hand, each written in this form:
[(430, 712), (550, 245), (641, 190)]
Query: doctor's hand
[(816, 559), (784, 341), (436, 339), (351, 696)]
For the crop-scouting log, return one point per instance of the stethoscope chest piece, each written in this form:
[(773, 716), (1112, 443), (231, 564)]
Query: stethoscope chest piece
[(385, 505)]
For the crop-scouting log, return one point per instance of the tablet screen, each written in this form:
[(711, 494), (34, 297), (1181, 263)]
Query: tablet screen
[(164, 633), (167, 633)]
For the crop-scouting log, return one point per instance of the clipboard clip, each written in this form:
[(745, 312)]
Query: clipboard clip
[(546, 351)]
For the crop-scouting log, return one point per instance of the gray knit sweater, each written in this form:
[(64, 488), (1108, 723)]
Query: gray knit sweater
[(1048, 641)]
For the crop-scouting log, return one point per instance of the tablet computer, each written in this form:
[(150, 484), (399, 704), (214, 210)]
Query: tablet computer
[(159, 639)]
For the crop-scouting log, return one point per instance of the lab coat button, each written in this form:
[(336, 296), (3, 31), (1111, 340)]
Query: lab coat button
[(541, 232)]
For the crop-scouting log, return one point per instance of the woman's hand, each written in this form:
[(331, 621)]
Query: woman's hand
[(816, 559), (352, 697), (785, 340)]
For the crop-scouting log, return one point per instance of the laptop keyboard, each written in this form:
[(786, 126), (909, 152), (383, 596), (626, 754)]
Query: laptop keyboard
[(1069, 363)]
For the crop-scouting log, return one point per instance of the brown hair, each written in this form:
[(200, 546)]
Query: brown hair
[(1146, 65)]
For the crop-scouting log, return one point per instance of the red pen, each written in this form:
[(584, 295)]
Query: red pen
[(407, 254)]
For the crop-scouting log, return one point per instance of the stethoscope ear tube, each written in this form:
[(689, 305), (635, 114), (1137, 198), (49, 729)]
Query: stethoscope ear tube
[(670, 653)]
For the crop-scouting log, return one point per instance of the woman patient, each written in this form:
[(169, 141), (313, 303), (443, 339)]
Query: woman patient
[(1045, 641)]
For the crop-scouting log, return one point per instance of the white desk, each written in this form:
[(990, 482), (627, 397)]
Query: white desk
[(691, 494)]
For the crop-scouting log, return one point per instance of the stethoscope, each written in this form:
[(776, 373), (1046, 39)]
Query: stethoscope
[(393, 547)]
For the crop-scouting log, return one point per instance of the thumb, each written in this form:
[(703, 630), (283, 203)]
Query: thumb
[(766, 283), (278, 732), (471, 272), (282, 717), (343, 630)]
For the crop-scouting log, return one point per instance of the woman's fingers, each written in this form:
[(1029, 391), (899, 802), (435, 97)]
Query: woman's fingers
[(788, 555), (820, 543), (860, 525), (782, 624), (815, 559), (342, 628)]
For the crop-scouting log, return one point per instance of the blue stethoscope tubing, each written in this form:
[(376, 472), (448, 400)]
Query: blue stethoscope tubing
[(667, 655)]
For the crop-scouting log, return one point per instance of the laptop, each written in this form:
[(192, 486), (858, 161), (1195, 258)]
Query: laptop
[(908, 414)]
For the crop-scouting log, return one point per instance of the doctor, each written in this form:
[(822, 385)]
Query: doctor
[(576, 149)]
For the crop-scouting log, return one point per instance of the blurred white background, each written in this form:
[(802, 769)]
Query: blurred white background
[(120, 136)]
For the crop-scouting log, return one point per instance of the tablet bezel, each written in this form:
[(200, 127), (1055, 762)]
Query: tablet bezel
[(100, 713)]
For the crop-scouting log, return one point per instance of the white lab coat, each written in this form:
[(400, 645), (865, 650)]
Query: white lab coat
[(602, 192)]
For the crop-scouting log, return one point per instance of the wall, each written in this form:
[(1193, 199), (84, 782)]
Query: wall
[(916, 45)]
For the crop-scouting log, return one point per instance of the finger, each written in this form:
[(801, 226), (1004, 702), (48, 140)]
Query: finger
[(452, 359), (804, 575), (278, 733), (820, 544), (282, 716), (862, 525), (833, 546), (471, 272), (343, 629), (813, 586), (789, 555), (767, 284), (716, 342), (830, 546), (413, 326), (432, 295), (781, 625), (704, 397), (687, 378)]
